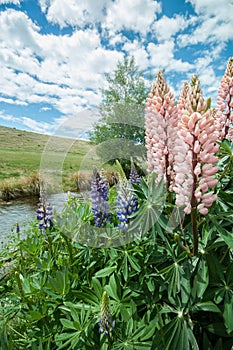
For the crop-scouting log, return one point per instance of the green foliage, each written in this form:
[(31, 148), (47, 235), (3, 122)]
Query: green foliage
[(122, 112), (161, 296)]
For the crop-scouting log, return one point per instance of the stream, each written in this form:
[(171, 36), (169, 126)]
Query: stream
[(23, 211)]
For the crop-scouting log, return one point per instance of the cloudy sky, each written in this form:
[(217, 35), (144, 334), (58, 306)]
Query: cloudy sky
[(54, 53)]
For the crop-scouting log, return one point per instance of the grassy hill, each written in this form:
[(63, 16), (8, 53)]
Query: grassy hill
[(21, 153)]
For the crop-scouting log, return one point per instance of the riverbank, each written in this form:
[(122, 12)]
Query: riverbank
[(20, 162), (29, 186)]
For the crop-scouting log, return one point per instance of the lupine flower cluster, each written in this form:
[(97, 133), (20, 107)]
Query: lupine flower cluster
[(106, 324), (44, 212), (160, 125), (195, 149), (99, 197), (225, 102), (127, 204), (182, 143), (134, 177)]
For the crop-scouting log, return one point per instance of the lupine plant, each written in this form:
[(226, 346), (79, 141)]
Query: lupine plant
[(99, 195), (44, 212), (169, 288), (127, 204), (225, 102)]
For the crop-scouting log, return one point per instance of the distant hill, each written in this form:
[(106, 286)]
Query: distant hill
[(12, 138), (21, 153)]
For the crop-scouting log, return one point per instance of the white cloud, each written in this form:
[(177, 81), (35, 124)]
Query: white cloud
[(166, 27), (72, 12), (41, 127), (17, 30), (134, 15), (219, 8), (137, 49), (15, 2), (207, 75), (57, 70), (37, 126), (12, 102), (215, 22), (74, 125), (121, 14), (7, 117), (162, 57)]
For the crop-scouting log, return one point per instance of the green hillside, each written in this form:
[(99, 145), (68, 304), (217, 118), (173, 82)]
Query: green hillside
[(21, 152)]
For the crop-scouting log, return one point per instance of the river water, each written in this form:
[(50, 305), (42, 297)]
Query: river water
[(23, 211)]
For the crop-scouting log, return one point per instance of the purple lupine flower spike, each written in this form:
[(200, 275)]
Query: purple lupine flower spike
[(126, 204), (99, 198), (106, 324), (134, 176), (44, 212)]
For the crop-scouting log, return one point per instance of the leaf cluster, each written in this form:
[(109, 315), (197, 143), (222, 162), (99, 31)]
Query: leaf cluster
[(161, 296)]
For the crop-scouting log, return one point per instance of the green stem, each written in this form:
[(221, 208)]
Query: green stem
[(195, 230), (185, 248), (194, 204), (109, 343), (69, 248), (49, 243), (224, 255), (19, 283)]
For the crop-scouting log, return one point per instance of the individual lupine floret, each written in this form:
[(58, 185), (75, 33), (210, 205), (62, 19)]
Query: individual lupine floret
[(134, 176), (225, 103), (106, 324), (160, 124), (44, 212), (194, 161), (127, 204), (99, 198)]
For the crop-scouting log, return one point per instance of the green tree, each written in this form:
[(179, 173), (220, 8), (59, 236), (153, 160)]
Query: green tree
[(122, 112)]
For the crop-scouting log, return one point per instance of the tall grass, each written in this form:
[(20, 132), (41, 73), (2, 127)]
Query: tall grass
[(19, 187)]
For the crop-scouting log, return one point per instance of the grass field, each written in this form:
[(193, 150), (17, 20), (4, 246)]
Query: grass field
[(21, 153)]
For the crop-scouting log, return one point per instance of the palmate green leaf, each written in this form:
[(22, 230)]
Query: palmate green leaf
[(25, 284), (174, 275), (142, 345), (97, 287), (201, 279), (225, 235), (72, 339), (177, 334), (67, 324), (59, 284), (227, 197), (35, 315), (124, 268), (205, 306), (88, 296), (228, 311), (105, 272), (133, 262), (226, 147), (147, 332), (218, 329), (229, 275), (114, 288)]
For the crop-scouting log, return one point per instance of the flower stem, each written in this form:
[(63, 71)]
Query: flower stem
[(69, 248), (195, 231)]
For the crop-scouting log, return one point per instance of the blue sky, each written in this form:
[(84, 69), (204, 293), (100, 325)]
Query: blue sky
[(54, 53)]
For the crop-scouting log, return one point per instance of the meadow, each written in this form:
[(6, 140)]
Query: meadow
[(20, 160), (145, 263)]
